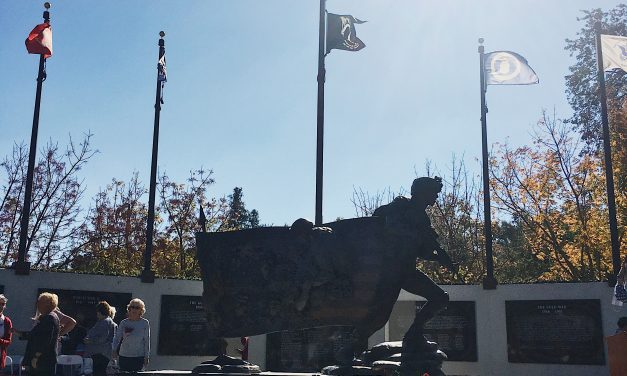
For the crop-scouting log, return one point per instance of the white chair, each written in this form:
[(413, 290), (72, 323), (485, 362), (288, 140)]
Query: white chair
[(88, 366), (8, 365), (71, 365), (14, 364)]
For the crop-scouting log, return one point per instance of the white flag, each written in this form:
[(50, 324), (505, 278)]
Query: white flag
[(614, 50), (508, 68)]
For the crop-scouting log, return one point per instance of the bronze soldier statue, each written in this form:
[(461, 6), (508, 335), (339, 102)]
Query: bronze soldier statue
[(413, 235)]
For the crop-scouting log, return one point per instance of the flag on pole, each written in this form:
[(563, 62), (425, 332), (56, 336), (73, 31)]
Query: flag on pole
[(162, 75), (614, 50), (508, 68), (341, 33), (39, 40)]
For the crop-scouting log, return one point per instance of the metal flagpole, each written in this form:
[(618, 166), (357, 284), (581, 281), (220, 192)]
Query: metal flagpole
[(320, 129), (489, 282), (609, 174), (22, 266), (147, 275)]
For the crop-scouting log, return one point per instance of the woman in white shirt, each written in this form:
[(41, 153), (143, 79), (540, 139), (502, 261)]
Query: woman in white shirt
[(133, 339)]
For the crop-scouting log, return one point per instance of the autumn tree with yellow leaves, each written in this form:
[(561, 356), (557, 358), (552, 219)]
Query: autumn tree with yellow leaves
[(558, 195)]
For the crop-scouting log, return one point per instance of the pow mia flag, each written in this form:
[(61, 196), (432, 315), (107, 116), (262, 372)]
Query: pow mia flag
[(508, 68), (341, 33)]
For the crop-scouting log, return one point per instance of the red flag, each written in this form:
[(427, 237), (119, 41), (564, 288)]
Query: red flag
[(39, 40)]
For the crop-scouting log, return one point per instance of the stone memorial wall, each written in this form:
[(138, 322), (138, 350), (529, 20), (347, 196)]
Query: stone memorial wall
[(490, 309)]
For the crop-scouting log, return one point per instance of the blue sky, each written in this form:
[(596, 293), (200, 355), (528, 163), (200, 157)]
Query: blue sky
[(241, 92)]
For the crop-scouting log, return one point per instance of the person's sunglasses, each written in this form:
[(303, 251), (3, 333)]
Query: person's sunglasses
[(134, 307)]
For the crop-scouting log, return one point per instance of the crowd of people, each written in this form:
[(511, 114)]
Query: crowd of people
[(125, 346)]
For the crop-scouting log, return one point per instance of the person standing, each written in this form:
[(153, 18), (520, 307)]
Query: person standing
[(99, 339), (66, 325), (5, 331), (40, 356), (133, 338)]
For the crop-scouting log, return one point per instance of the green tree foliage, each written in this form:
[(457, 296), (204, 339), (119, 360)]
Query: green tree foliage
[(582, 86), (237, 216)]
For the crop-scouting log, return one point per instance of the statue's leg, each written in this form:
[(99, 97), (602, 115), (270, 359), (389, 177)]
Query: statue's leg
[(420, 284)]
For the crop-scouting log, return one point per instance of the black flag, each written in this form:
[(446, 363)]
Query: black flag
[(341, 33)]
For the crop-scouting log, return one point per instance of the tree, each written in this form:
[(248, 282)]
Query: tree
[(582, 86), (456, 217), (556, 194), (237, 216), (55, 219), (115, 235), (10, 206), (514, 260), (180, 205)]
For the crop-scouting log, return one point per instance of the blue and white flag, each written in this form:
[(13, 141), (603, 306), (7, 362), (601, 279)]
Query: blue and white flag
[(161, 71), (614, 50), (508, 68)]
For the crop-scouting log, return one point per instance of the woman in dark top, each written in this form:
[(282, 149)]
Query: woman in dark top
[(41, 357)]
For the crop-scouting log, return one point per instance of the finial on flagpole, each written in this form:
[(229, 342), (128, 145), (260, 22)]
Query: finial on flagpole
[(480, 49), (162, 34), (46, 12), (480, 40)]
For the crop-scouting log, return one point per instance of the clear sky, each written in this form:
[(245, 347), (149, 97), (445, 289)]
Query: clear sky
[(241, 92)]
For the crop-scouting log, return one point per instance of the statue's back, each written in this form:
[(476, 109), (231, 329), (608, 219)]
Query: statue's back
[(273, 278)]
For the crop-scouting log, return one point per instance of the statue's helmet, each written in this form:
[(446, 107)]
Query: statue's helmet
[(425, 184)]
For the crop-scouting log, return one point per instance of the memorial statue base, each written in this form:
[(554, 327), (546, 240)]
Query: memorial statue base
[(189, 373), (388, 358), (349, 371), (224, 364)]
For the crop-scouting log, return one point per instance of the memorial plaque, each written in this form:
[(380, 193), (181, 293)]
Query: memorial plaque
[(183, 328), (455, 331), (454, 328), (555, 331), (307, 350), (81, 305)]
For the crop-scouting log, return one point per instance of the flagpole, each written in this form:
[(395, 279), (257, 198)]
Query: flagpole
[(147, 275), (320, 128), (22, 267), (489, 282), (609, 174)]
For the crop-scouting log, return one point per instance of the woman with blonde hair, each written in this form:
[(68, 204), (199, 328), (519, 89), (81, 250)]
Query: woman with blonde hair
[(134, 335), (41, 355)]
